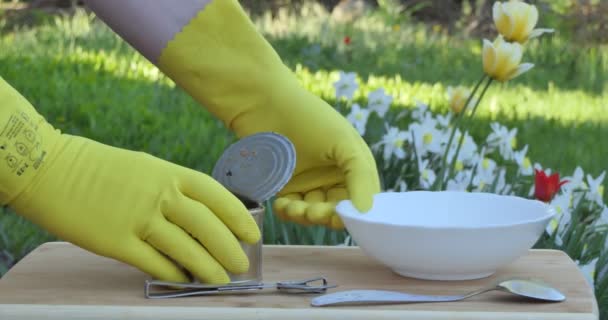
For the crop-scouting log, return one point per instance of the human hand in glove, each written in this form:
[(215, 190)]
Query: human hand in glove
[(212, 50), (152, 214)]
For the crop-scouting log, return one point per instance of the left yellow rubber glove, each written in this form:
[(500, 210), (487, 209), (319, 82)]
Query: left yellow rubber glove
[(221, 60), (118, 203)]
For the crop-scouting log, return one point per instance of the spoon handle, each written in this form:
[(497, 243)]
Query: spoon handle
[(376, 297)]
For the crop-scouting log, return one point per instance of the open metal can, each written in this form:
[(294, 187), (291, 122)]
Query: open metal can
[(254, 169), (253, 252)]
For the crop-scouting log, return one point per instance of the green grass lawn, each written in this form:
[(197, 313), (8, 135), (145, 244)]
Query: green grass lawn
[(88, 82)]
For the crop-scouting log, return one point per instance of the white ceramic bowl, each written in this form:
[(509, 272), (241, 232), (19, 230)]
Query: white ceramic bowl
[(446, 235)]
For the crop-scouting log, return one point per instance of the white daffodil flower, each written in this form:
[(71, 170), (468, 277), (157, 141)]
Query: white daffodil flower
[(538, 166), (346, 85), (501, 184), (485, 174), (596, 189), (427, 175), (563, 215), (525, 166), (468, 151), (379, 101), (575, 181), (393, 142), (358, 117), (427, 137), (552, 226), (420, 111), (503, 139), (460, 182), (444, 120)]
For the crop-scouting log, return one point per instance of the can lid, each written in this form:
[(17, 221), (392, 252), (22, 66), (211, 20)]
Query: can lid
[(256, 167)]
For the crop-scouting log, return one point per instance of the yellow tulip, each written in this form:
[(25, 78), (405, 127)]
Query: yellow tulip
[(515, 20), (502, 60), (457, 97)]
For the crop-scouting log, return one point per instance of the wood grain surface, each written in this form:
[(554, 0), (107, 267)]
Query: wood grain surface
[(61, 281)]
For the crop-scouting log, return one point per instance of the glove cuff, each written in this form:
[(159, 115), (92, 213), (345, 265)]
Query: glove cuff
[(224, 63), (26, 140)]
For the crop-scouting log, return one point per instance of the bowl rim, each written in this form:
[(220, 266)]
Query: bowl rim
[(548, 209)]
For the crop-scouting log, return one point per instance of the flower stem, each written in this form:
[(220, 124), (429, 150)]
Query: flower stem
[(457, 119), (455, 158), (416, 156), (480, 97), (460, 142), (482, 155)]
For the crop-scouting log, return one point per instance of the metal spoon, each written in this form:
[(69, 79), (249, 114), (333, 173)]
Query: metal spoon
[(524, 288)]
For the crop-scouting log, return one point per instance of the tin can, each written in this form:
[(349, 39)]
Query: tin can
[(253, 251), (254, 169)]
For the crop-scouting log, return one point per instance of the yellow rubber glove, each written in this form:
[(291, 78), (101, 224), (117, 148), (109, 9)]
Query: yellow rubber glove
[(157, 216), (226, 65)]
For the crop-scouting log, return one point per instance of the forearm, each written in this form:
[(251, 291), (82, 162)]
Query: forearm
[(147, 25)]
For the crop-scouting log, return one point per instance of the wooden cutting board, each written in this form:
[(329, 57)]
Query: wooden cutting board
[(61, 281)]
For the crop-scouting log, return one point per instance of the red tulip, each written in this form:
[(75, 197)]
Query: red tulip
[(347, 40), (546, 187)]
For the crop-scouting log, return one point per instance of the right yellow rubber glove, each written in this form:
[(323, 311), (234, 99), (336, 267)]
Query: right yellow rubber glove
[(225, 64), (157, 216)]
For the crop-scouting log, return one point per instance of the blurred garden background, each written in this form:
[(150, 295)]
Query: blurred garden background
[(87, 81)]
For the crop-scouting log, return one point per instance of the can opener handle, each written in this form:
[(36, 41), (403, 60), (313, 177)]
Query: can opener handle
[(198, 289)]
